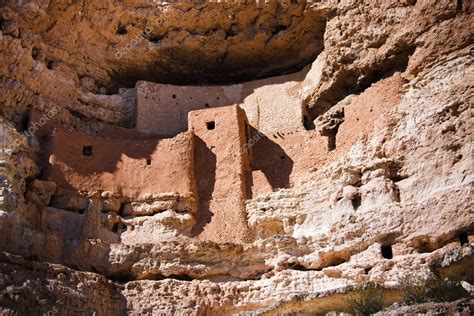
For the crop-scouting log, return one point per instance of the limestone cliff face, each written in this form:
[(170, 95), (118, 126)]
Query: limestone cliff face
[(347, 159)]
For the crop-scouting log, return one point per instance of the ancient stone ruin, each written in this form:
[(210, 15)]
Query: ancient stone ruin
[(236, 157)]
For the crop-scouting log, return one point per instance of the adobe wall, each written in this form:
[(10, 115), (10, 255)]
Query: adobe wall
[(40, 125), (222, 166), (133, 167), (281, 159), (163, 109)]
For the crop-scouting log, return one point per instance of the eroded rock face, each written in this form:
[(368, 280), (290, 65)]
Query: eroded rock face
[(356, 168), (137, 40)]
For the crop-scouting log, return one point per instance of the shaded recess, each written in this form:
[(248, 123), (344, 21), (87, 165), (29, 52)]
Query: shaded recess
[(354, 81), (199, 68), (186, 43), (272, 160), (206, 180)]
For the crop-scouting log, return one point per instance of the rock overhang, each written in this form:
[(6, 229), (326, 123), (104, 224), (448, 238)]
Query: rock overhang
[(181, 42)]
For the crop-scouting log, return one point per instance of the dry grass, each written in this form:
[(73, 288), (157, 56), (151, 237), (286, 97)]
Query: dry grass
[(367, 301), (421, 289)]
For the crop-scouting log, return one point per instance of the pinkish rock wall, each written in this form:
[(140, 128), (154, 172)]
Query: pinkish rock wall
[(133, 167), (361, 155)]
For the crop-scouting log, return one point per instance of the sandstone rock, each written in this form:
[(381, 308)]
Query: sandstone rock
[(159, 204), (69, 200), (358, 154), (460, 307), (456, 264), (40, 192), (7, 202)]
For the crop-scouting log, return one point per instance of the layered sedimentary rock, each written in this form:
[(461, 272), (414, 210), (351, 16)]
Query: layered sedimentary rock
[(315, 148)]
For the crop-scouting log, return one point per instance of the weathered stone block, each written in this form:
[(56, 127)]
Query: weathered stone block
[(70, 201), (7, 200), (41, 192)]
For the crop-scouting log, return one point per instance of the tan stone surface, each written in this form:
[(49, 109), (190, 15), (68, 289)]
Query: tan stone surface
[(296, 225), (222, 164), (134, 168)]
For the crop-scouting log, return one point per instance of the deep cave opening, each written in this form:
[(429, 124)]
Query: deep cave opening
[(356, 201), (308, 123), (463, 238), (332, 138), (25, 119), (386, 250)]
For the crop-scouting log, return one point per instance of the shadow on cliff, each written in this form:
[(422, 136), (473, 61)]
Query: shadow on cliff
[(268, 156), (271, 159), (205, 76), (107, 150), (88, 156), (40, 290), (205, 163)]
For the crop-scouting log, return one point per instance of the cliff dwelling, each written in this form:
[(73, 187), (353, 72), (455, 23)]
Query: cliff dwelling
[(204, 149), (236, 157)]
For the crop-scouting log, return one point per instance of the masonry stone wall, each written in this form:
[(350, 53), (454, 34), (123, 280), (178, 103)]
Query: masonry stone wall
[(222, 166), (133, 167), (163, 109)]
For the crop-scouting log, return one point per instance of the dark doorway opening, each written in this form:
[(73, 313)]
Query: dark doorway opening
[(387, 252), (463, 238)]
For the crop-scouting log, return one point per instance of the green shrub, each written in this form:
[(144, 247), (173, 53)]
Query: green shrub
[(421, 289), (366, 302)]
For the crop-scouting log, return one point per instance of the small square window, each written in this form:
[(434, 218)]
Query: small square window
[(87, 151), (211, 125), (148, 162)]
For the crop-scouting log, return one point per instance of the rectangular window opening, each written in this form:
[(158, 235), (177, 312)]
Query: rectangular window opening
[(211, 125), (87, 151)]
